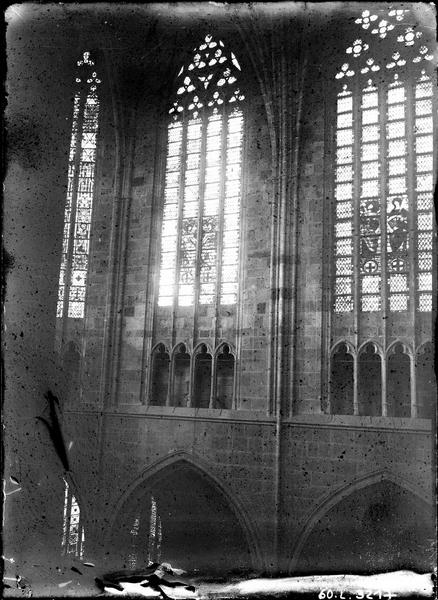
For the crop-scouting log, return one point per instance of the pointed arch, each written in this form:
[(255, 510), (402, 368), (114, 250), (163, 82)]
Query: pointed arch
[(157, 473), (341, 382), (400, 365), (350, 349), (179, 347), (202, 376), (202, 347), (160, 346), (202, 193), (406, 347), (223, 345), (372, 343), (333, 498), (370, 361), (180, 387), (224, 377), (209, 80), (160, 373)]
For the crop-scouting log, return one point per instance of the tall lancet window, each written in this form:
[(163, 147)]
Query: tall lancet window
[(384, 167), (201, 218), (79, 201), (73, 536)]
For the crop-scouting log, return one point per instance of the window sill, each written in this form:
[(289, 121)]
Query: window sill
[(193, 413), (363, 422), (304, 420)]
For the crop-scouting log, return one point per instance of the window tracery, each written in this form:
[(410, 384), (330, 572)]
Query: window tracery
[(383, 222), (80, 190), (384, 168), (201, 217)]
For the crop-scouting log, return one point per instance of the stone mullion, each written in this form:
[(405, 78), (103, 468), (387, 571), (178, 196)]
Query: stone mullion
[(220, 233), (183, 155), (383, 191), (328, 242), (412, 221), (219, 248), (153, 265), (199, 233), (356, 234), (244, 175)]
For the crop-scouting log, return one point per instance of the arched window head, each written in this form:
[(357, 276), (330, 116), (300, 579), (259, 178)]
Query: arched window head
[(201, 219), (224, 379), (181, 377), (80, 190), (370, 381), (342, 381), (202, 378), (384, 167), (398, 382)]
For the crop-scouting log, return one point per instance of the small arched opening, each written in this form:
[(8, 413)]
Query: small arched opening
[(202, 378), (378, 528), (399, 383), (426, 382), (182, 517), (370, 381), (181, 377), (160, 376), (224, 379), (341, 381)]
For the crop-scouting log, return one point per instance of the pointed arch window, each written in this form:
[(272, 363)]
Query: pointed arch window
[(342, 381), (73, 534), (80, 191), (201, 219), (160, 376), (384, 167)]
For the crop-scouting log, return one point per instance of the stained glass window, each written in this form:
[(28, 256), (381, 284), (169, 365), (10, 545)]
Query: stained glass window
[(73, 536), (201, 217), (80, 189), (384, 168), (145, 536)]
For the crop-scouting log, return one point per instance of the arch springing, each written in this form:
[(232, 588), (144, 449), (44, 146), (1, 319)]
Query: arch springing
[(201, 218)]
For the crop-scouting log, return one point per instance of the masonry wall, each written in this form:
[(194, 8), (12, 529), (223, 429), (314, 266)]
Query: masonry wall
[(321, 456), (114, 439)]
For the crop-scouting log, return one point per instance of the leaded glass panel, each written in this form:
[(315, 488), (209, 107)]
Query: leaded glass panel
[(80, 189), (423, 125), (205, 152), (369, 151), (384, 178), (423, 107), (424, 144), (395, 129)]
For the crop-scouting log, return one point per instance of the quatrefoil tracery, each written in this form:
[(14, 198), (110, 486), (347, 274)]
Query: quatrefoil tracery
[(209, 80)]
